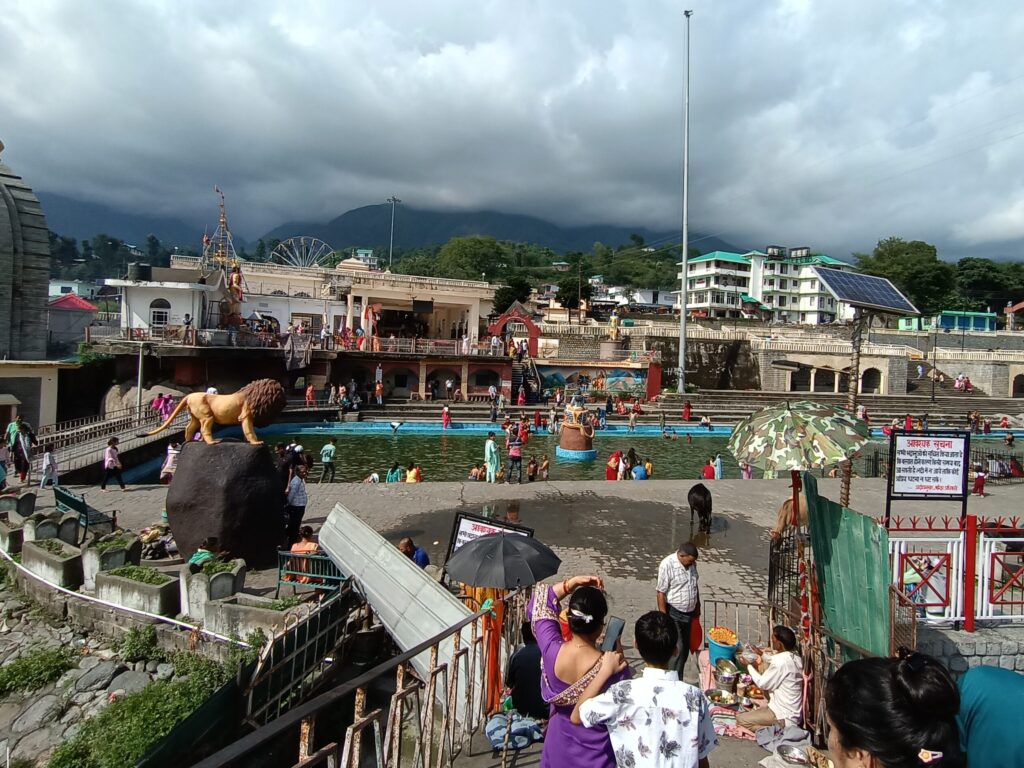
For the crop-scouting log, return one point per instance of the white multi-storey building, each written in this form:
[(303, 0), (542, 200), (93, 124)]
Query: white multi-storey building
[(779, 284)]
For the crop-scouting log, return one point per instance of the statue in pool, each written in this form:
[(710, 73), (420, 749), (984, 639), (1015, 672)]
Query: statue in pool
[(576, 436)]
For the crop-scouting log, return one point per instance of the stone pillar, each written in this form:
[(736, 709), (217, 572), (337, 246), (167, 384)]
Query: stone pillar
[(813, 372), (835, 382), (48, 398), (348, 312), (474, 322), (465, 381), (423, 380)]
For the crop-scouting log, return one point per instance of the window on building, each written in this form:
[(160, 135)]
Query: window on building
[(769, 299), (814, 285), (65, 289), (783, 269), (159, 312), (803, 317), (782, 301), (771, 283), (782, 284)]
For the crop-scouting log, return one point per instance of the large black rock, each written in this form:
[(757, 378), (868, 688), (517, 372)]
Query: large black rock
[(231, 491)]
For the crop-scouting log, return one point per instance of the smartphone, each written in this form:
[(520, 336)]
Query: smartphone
[(612, 633)]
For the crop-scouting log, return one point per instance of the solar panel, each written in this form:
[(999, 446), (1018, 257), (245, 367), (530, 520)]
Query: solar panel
[(865, 291)]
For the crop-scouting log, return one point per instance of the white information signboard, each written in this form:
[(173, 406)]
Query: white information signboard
[(468, 527), (929, 466)]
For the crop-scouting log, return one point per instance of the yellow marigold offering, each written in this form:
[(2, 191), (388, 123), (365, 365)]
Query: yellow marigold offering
[(722, 635)]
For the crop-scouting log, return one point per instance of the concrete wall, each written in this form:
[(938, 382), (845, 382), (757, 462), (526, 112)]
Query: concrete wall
[(712, 364), (36, 388), (136, 312)]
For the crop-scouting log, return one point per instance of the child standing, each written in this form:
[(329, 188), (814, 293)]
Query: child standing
[(979, 480), (49, 466), (654, 720)]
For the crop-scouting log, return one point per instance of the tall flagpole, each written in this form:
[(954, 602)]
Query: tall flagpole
[(686, 213)]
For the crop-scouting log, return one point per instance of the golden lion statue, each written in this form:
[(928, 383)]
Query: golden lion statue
[(255, 404)]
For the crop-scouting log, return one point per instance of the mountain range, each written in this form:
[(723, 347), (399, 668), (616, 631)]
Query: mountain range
[(366, 227), (370, 227), (83, 220)]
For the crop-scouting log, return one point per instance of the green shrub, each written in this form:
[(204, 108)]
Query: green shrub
[(141, 574), (119, 541), (193, 664), (284, 603), (210, 567), (139, 644), (239, 656), (131, 726), (35, 669)]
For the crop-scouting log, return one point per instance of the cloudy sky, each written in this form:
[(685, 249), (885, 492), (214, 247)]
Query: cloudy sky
[(824, 123)]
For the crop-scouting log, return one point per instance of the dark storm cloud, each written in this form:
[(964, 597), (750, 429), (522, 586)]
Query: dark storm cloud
[(826, 123)]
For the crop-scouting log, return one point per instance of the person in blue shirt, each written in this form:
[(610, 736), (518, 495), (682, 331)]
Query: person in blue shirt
[(639, 472), (417, 554), (990, 717)]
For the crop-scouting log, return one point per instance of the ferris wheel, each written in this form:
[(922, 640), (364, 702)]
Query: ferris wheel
[(302, 251)]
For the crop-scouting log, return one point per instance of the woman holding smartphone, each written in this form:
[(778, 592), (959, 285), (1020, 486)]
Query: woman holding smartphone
[(568, 667)]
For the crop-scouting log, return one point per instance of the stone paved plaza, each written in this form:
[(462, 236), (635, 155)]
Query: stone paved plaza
[(619, 530)]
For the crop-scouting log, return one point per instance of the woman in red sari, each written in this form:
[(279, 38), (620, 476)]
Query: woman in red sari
[(611, 469)]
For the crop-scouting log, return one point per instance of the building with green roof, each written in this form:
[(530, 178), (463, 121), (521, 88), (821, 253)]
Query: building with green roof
[(778, 284)]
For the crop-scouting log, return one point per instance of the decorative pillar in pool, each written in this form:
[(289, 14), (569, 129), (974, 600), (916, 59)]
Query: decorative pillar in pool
[(576, 437)]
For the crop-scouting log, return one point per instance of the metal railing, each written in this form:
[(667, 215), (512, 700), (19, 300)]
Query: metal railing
[(750, 621), (445, 708), (294, 662), (951, 571)]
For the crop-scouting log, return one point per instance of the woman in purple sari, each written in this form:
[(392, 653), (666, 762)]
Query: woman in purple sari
[(568, 667)]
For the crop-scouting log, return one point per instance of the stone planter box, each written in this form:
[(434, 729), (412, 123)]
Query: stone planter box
[(241, 614), (197, 589), (64, 569), (11, 535), (95, 560), (153, 598)]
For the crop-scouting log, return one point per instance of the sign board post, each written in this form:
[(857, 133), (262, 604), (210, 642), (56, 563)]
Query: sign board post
[(929, 466)]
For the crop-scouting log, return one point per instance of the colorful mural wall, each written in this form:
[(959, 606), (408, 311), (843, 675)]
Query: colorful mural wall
[(617, 380)]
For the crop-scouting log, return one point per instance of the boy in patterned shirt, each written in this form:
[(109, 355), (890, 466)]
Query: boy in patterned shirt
[(654, 720)]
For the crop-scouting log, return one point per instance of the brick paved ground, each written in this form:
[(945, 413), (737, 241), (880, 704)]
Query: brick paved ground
[(618, 530)]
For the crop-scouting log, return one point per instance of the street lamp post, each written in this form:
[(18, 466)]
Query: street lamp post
[(935, 340), (686, 212), (391, 248)]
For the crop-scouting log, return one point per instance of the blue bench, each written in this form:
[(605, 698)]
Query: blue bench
[(307, 571), (69, 502)]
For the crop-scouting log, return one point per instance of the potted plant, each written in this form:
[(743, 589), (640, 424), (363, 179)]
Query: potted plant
[(108, 552), (54, 560), (144, 589)]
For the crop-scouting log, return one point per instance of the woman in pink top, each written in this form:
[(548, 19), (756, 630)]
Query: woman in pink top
[(111, 465)]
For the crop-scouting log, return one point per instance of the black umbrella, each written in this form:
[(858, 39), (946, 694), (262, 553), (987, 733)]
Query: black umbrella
[(504, 561)]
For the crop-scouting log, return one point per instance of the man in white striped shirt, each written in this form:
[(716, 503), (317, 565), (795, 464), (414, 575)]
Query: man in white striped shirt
[(679, 595)]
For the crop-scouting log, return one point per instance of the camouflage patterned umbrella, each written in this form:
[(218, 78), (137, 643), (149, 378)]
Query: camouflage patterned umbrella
[(797, 436)]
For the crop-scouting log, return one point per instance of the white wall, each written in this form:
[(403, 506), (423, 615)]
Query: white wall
[(135, 312)]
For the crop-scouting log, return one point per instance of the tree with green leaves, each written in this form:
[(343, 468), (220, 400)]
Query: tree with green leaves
[(260, 254), (571, 290), (469, 258), (516, 289), (915, 269)]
